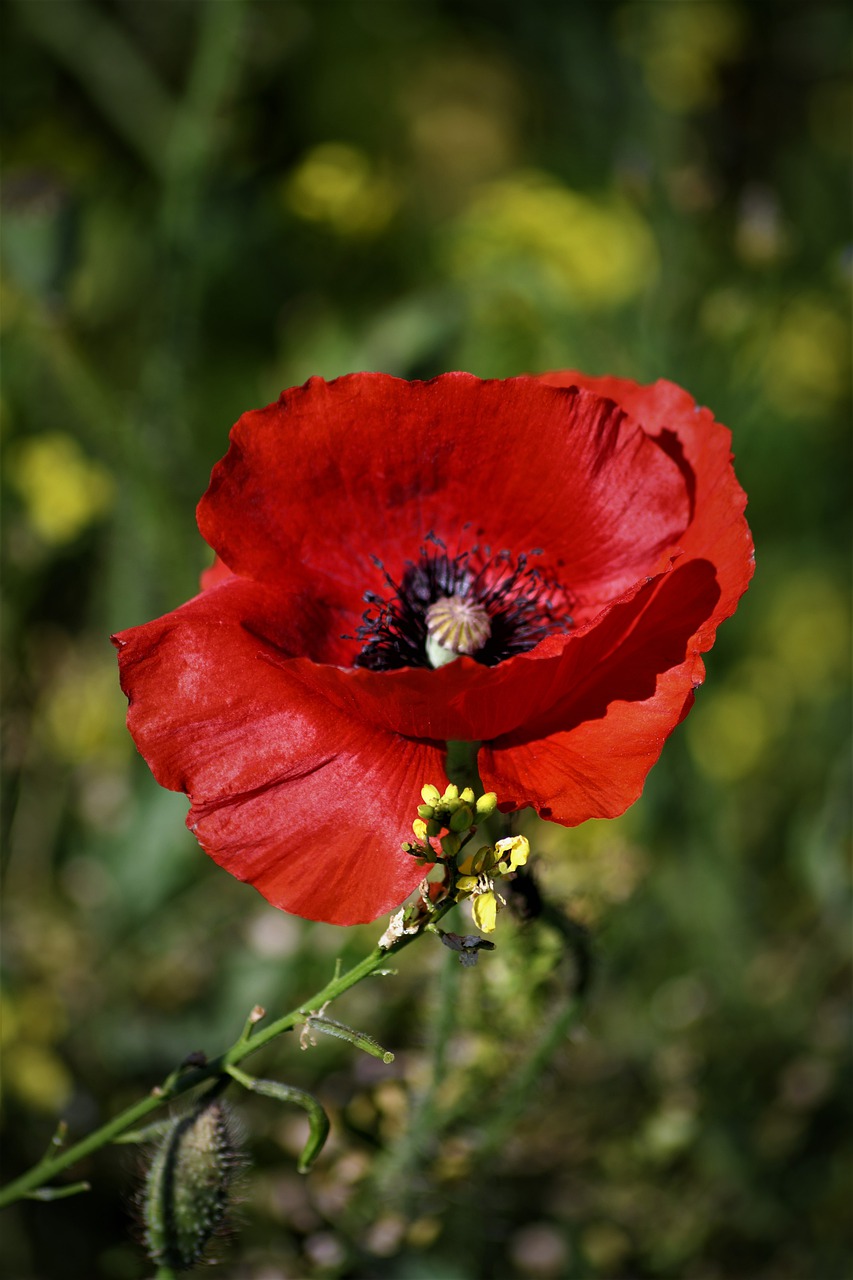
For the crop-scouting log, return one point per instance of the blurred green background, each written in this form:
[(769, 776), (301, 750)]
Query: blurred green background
[(206, 202)]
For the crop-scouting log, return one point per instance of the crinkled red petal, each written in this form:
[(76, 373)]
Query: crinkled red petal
[(336, 473), (701, 447), (588, 755), (305, 802), (582, 761), (215, 575)]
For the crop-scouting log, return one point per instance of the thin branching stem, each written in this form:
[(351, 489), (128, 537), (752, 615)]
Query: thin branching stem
[(181, 1080)]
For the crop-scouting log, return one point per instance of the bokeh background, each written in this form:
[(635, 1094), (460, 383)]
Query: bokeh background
[(206, 202)]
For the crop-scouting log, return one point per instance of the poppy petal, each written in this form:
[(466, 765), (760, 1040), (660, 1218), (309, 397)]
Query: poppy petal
[(701, 446), (592, 763), (215, 574), (597, 769), (305, 802), (588, 755), (335, 474)]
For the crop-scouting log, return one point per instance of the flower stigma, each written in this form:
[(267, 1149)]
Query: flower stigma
[(455, 625)]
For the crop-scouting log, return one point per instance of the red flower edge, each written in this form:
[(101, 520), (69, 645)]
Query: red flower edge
[(596, 767), (304, 771)]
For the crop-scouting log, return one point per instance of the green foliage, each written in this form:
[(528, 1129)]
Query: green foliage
[(204, 203)]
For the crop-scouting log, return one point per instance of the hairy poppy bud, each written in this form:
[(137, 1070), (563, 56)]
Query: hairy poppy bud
[(186, 1190)]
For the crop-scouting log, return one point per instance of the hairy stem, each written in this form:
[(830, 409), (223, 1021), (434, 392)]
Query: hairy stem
[(461, 766)]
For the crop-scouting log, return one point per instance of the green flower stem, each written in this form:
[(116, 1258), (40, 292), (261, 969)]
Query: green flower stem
[(59, 1193), (461, 766), (394, 1180), (181, 1080), (523, 1085)]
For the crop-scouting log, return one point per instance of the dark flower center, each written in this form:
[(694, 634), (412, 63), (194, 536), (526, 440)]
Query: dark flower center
[(487, 606)]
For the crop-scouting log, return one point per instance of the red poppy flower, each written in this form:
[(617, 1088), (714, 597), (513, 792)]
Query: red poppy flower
[(535, 565)]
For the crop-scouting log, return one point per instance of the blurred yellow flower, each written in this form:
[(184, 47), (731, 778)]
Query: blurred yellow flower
[(667, 1133), (81, 714), (803, 656), (680, 47), (730, 735), (63, 490), (530, 229), (340, 186), (594, 865), (38, 1077), (806, 367), (808, 626), (463, 110), (727, 313), (32, 1071)]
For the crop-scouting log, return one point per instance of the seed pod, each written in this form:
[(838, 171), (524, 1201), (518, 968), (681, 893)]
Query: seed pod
[(186, 1190), (343, 1032), (317, 1119)]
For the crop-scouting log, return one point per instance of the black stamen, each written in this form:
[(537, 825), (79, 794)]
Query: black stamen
[(523, 604)]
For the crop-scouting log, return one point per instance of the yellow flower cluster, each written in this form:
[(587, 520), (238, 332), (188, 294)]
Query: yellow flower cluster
[(341, 188), (63, 491), (529, 232), (456, 813), (476, 878)]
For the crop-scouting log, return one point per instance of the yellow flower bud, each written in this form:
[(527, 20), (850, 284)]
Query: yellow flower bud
[(484, 859), (487, 804)]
